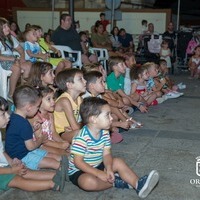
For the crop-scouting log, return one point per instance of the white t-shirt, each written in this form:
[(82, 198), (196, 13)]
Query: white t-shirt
[(127, 82), (7, 50), (3, 161)]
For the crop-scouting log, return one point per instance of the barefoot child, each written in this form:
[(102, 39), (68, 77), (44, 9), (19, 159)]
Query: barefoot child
[(91, 165)]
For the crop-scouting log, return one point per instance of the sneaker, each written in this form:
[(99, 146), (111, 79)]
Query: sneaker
[(181, 87), (119, 183), (129, 110), (161, 99), (172, 95), (180, 93), (147, 183)]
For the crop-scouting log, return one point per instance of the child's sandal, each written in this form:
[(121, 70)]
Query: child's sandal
[(58, 185)]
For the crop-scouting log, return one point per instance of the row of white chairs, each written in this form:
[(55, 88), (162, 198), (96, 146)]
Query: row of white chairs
[(72, 55)]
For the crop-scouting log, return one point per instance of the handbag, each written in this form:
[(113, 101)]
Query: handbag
[(54, 55)]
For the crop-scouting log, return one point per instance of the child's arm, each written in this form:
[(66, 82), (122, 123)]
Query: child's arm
[(108, 161), (15, 167), (133, 87), (84, 48), (123, 95), (65, 104), (159, 85), (83, 166), (39, 55), (31, 144)]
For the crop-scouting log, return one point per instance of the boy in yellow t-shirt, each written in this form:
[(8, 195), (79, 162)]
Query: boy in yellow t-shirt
[(66, 115)]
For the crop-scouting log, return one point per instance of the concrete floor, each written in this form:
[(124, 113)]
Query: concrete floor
[(169, 142)]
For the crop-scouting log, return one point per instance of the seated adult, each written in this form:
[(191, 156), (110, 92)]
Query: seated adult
[(115, 38), (100, 39), (126, 40), (169, 35), (66, 35)]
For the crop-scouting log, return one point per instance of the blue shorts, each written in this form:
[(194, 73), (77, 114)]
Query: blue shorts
[(33, 158), (5, 180)]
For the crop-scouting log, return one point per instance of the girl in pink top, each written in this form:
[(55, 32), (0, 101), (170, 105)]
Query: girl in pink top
[(44, 124)]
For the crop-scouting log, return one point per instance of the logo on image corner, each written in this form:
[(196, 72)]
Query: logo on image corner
[(198, 166), (196, 181)]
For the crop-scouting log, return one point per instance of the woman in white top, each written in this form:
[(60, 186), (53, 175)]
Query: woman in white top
[(8, 61), (114, 38)]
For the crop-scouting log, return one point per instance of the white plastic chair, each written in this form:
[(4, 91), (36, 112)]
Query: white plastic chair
[(102, 56), (4, 82), (72, 55)]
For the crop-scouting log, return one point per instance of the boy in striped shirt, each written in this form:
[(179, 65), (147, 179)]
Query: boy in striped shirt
[(91, 165)]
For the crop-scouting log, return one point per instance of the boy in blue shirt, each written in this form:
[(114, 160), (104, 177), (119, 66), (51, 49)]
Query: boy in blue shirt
[(14, 174), (91, 165), (19, 141)]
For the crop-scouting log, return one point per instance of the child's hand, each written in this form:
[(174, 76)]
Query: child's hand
[(65, 145), (120, 103), (102, 175), (37, 125), (143, 109), (68, 129), (125, 125), (19, 169), (16, 161), (110, 176), (44, 138), (44, 56), (163, 81)]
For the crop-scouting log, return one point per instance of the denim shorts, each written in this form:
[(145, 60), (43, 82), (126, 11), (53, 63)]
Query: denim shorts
[(33, 158)]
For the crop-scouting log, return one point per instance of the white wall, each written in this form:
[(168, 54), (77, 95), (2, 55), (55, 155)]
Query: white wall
[(130, 21)]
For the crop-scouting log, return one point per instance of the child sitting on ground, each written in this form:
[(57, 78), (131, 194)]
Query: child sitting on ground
[(115, 82), (139, 77), (118, 108), (163, 73), (14, 174), (66, 115), (194, 63), (54, 144), (19, 141), (159, 86), (91, 165), (130, 63)]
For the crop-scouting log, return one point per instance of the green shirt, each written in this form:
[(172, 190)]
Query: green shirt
[(115, 83)]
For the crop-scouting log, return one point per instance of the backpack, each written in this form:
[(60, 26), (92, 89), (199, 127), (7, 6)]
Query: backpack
[(191, 46)]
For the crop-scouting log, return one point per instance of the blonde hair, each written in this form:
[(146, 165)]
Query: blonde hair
[(149, 65)]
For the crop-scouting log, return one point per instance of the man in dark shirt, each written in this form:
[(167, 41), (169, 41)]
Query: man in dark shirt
[(67, 35), (170, 36), (126, 40)]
